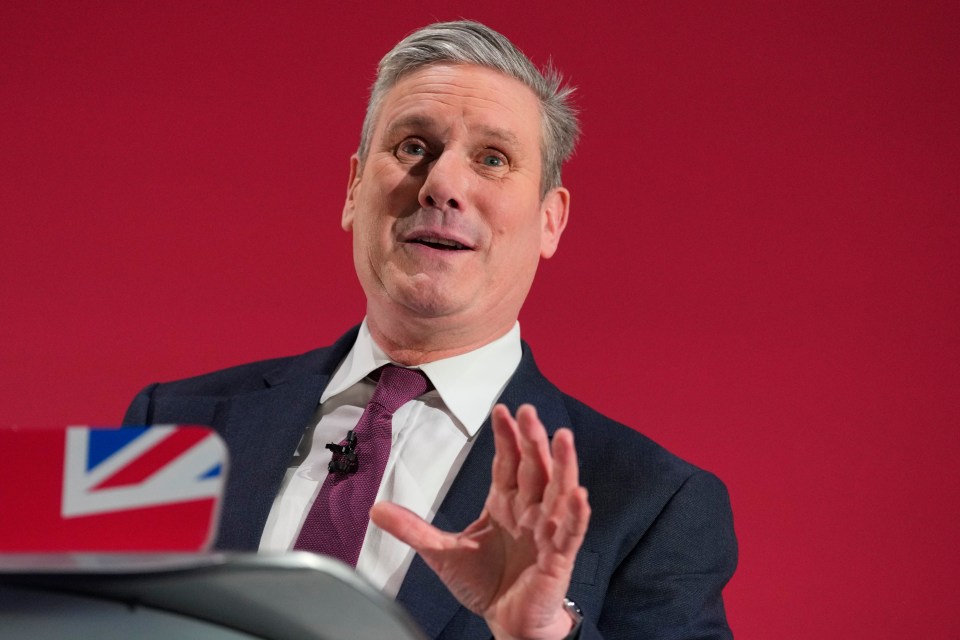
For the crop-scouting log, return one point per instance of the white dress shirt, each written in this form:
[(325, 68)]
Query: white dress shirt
[(432, 436)]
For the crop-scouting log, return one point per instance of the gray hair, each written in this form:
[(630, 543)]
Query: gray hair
[(468, 42)]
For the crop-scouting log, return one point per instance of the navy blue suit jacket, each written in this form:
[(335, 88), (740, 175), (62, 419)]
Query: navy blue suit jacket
[(659, 549)]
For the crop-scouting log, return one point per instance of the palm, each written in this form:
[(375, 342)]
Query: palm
[(512, 565)]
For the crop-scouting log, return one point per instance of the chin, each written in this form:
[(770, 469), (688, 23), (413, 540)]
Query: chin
[(428, 298), (430, 308)]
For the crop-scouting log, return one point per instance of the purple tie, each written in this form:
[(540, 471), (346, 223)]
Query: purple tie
[(337, 522)]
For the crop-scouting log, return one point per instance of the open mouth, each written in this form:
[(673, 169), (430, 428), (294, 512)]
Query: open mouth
[(441, 244)]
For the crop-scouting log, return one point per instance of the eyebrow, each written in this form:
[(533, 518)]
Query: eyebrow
[(414, 121), (408, 122), (504, 135)]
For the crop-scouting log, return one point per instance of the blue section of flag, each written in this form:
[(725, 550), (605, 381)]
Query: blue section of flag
[(105, 442), (212, 473)]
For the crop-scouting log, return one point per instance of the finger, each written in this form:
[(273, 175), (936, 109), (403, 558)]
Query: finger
[(409, 528), (506, 449), (534, 470), (506, 458), (566, 474), (566, 467), (569, 536), (560, 537), (565, 509), (560, 532)]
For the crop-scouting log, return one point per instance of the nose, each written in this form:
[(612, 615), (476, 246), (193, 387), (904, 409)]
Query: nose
[(445, 185)]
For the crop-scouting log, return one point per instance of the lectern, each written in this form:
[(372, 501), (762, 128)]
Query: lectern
[(293, 596)]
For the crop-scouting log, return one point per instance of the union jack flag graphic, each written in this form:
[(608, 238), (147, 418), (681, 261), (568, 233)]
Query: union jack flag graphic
[(116, 469), (131, 489)]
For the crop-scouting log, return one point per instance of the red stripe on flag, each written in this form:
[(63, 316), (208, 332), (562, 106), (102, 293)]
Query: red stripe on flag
[(155, 458)]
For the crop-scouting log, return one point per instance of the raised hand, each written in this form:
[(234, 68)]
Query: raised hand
[(513, 564)]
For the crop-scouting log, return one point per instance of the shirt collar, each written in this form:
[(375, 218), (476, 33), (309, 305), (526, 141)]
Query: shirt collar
[(469, 384)]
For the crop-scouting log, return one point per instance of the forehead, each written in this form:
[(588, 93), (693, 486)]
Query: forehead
[(446, 96)]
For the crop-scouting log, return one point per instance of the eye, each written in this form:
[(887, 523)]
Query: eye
[(493, 159), (414, 148)]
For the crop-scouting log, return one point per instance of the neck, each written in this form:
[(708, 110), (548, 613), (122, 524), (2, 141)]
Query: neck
[(419, 342)]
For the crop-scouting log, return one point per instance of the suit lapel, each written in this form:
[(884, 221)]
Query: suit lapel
[(262, 429), (422, 593)]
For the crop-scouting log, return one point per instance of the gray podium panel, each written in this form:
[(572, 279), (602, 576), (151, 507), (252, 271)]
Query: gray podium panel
[(295, 596), (26, 614)]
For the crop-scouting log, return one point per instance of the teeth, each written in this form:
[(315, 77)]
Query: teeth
[(442, 241)]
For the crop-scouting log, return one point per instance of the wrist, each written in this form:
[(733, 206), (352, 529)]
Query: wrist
[(564, 625)]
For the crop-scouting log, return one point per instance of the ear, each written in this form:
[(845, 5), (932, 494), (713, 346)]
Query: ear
[(349, 205), (553, 211)]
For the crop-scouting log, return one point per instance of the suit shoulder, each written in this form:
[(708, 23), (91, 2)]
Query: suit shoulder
[(240, 378), (254, 375), (623, 451)]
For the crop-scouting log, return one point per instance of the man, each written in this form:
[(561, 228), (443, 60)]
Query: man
[(453, 198)]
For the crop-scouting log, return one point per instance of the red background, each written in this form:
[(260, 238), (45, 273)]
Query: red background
[(761, 270)]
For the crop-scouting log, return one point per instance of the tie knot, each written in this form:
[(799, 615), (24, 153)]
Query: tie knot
[(397, 386)]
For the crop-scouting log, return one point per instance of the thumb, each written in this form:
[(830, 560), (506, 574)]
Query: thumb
[(408, 527)]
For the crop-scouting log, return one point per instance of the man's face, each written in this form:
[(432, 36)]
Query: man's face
[(446, 215)]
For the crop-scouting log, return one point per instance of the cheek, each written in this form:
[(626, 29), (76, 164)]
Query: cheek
[(388, 202), (391, 182), (372, 213), (518, 229)]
